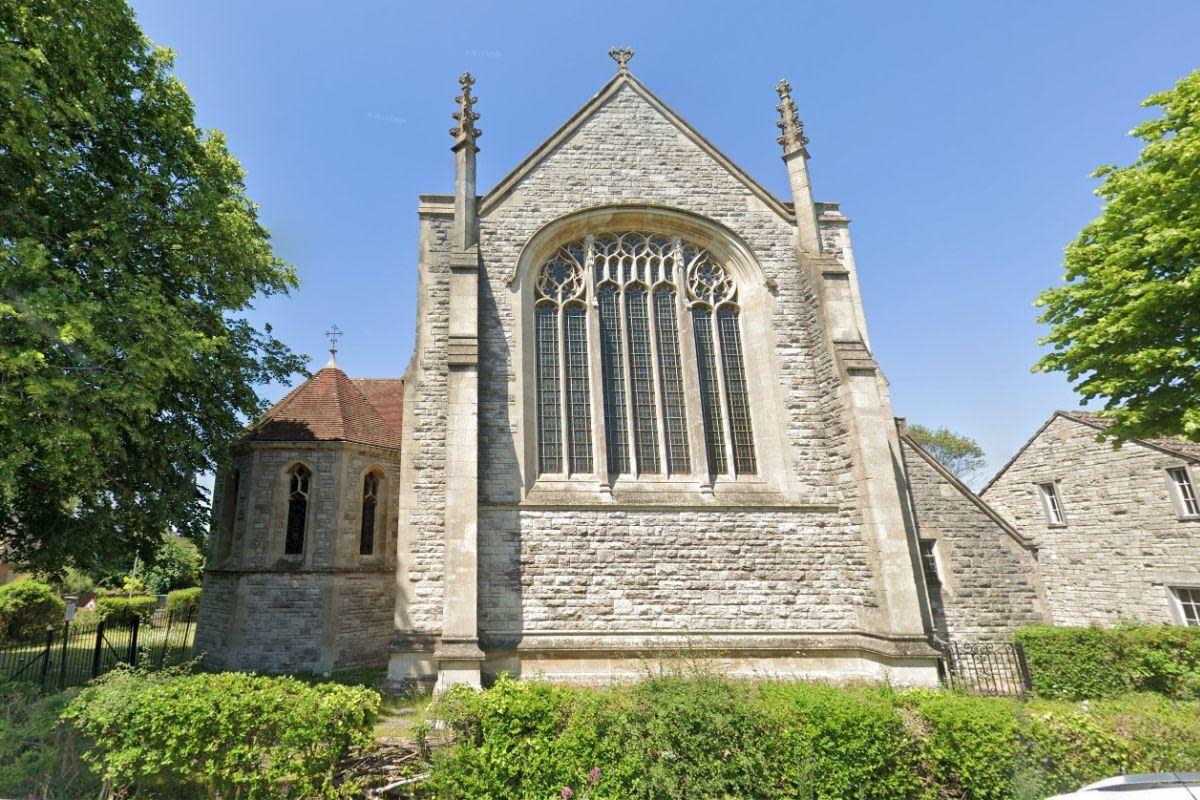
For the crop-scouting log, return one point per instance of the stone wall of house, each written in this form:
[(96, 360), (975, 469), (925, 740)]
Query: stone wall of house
[(681, 568), (1123, 544), (988, 579), (327, 608)]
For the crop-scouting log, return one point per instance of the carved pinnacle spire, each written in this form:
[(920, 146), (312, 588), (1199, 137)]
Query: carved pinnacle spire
[(793, 138), (465, 133), (621, 55)]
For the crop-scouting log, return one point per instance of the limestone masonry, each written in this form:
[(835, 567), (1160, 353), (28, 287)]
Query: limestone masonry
[(642, 420)]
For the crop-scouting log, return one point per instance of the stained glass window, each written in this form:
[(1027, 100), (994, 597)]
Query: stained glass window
[(299, 478), (642, 377), (735, 390), (370, 501)]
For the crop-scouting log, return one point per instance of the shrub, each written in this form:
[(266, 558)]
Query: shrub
[(40, 756), (182, 600), (170, 734), (124, 608), (177, 564), (708, 737), (1081, 663), (27, 608)]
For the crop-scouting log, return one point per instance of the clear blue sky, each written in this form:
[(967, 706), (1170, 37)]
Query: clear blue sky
[(958, 137)]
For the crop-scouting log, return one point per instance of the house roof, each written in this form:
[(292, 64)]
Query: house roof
[(331, 407), (1169, 444), (965, 490), (621, 80)]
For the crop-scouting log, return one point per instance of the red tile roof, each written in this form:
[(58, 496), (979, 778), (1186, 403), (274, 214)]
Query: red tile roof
[(330, 407), (1174, 444)]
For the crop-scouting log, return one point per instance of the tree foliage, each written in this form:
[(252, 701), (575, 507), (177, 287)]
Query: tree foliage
[(961, 455), (177, 564), (1125, 327), (129, 253)]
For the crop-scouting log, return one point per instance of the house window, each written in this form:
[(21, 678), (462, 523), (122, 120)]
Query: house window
[(1051, 503), (929, 563), (1188, 601), (299, 480), (370, 504), (641, 287), (1185, 492)]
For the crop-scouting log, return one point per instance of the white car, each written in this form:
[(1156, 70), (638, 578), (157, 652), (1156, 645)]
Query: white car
[(1149, 786)]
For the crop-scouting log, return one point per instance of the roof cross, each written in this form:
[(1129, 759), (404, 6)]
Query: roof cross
[(621, 55), (334, 333)]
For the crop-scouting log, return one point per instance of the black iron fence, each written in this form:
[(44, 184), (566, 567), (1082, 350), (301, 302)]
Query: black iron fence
[(73, 653), (992, 668)]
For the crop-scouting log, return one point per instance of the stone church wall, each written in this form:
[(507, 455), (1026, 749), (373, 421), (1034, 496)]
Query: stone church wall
[(686, 568), (989, 584), (1123, 544), (327, 609)]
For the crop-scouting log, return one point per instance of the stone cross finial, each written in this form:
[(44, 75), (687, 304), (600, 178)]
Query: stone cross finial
[(621, 55), (465, 133), (793, 138), (334, 334)]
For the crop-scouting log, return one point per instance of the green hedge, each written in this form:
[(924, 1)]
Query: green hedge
[(123, 608), (707, 737), (40, 756), (174, 735), (1080, 663), (27, 607), (183, 599)]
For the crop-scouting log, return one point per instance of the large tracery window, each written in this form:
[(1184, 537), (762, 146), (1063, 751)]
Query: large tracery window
[(641, 287)]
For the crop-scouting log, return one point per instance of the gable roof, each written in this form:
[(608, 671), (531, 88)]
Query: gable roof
[(330, 407), (577, 120), (1171, 445), (965, 490)]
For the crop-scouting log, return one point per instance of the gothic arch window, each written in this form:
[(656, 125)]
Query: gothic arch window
[(369, 522), (299, 487), (620, 301)]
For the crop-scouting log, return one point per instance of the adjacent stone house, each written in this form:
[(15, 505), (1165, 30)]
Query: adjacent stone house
[(1117, 528), (642, 419)]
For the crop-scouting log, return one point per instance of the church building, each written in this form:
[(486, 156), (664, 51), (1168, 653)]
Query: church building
[(642, 420)]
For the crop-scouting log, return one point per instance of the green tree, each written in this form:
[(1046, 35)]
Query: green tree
[(961, 455), (176, 565), (1126, 326), (129, 253)]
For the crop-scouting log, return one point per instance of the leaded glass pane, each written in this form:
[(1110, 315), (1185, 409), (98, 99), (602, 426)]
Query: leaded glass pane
[(366, 536), (641, 380), (297, 516), (671, 380), (549, 411), (710, 391), (616, 431), (735, 391), (579, 415)]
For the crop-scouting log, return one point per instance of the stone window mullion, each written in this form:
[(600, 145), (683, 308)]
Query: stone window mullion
[(630, 424), (656, 382), (689, 363), (596, 368), (723, 390)]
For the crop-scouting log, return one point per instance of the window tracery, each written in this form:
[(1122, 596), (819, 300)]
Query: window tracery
[(640, 288), (299, 480)]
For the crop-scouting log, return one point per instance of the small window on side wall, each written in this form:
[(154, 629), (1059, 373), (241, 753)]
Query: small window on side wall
[(1052, 503), (370, 506), (299, 482), (1187, 600), (929, 563), (1185, 492)]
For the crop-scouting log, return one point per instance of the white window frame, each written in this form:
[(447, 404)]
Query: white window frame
[(1183, 492), (1185, 601), (1052, 504)]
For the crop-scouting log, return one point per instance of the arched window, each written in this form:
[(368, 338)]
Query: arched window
[(639, 286), (370, 504), (299, 480)]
